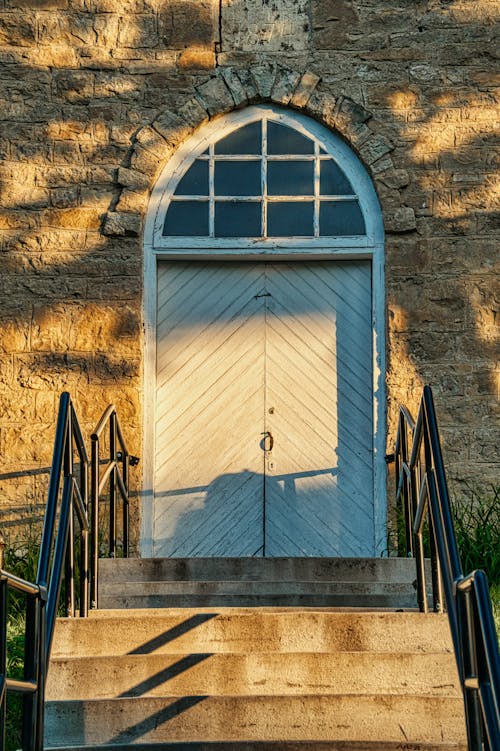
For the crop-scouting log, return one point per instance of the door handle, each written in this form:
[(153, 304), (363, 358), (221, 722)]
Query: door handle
[(268, 438)]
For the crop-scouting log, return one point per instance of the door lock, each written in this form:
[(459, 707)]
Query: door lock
[(267, 441)]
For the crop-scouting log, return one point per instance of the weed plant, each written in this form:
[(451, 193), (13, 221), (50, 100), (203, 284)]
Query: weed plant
[(21, 559), (477, 526)]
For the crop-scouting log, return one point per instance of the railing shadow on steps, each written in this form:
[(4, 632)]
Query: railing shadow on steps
[(68, 501), (423, 494)]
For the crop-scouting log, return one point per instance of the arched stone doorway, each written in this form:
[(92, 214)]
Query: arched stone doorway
[(264, 311)]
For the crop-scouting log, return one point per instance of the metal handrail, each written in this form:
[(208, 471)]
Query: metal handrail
[(68, 498), (56, 558), (422, 490), (116, 478)]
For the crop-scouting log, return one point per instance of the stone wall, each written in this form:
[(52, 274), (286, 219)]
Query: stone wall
[(95, 96)]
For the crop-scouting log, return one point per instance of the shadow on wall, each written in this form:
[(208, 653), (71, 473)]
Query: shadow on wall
[(70, 315)]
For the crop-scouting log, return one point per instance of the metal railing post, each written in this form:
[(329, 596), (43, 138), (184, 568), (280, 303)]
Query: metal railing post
[(466, 599)]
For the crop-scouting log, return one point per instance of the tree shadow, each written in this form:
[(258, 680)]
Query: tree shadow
[(71, 308)]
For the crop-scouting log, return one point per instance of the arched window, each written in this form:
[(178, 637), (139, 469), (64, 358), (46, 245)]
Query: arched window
[(265, 179), (264, 175)]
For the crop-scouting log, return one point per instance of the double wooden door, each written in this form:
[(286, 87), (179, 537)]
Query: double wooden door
[(264, 402)]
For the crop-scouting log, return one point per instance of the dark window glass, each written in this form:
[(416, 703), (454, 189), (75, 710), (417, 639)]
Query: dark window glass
[(290, 219), (246, 140), (195, 181), (238, 179), (238, 219), (290, 178), (186, 218), (333, 182), (284, 140), (341, 218)]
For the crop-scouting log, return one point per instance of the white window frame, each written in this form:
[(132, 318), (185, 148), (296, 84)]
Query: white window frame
[(158, 247)]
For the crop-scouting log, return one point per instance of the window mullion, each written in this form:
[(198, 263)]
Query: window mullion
[(317, 188), (264, 177), (211, 192)]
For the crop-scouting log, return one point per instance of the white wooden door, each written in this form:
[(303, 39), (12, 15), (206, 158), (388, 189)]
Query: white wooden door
[(318, 476), (264, 409)]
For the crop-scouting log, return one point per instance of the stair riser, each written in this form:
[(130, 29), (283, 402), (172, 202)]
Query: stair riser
[(255, 718), (250, 600), (397, 570), (253, 674), (258, 631)]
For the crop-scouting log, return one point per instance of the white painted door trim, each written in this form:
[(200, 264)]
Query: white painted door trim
[(370, 246)]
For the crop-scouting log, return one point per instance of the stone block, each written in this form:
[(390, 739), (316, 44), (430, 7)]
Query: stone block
[(119, 224), (248, 83), (264, 77), (110, 369), (62, 198), (323, 106), (304, 89), (375, 148), (280, 26), (145, 161), (130, 178), (400, 220), (235, 86), (197, 58), (188, 24), (171, 126), (17, 29), (215, 96), (138, 31), (73, 218), (394, 178), (14, 332), (29, 447), (51, 327), (132, 201), (105, 328), (333, 23), (193, 112), (285, 84), (150, 139), (74, 86)]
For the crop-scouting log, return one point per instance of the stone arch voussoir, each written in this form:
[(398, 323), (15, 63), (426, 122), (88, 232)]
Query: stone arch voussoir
[(230, 88)]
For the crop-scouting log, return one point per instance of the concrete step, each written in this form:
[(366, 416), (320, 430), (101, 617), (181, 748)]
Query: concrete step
[(430, 674), (249, 631), (153, 594), (397, 570), (420, 719), (275, 746)]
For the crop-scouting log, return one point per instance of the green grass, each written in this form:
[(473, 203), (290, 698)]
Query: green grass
[(476, 515), (495, 601)]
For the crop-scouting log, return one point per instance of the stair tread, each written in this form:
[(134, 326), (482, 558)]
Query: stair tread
[(333, 745), (312, 717), (252, 674)]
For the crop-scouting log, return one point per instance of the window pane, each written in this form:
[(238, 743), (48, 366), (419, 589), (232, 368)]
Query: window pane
[(333, 182), (238, 219), (341, 218), (290, 178), (290, 219), (247, 140), (186, 219), (284, 140), (238, 179), (195, 181)]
